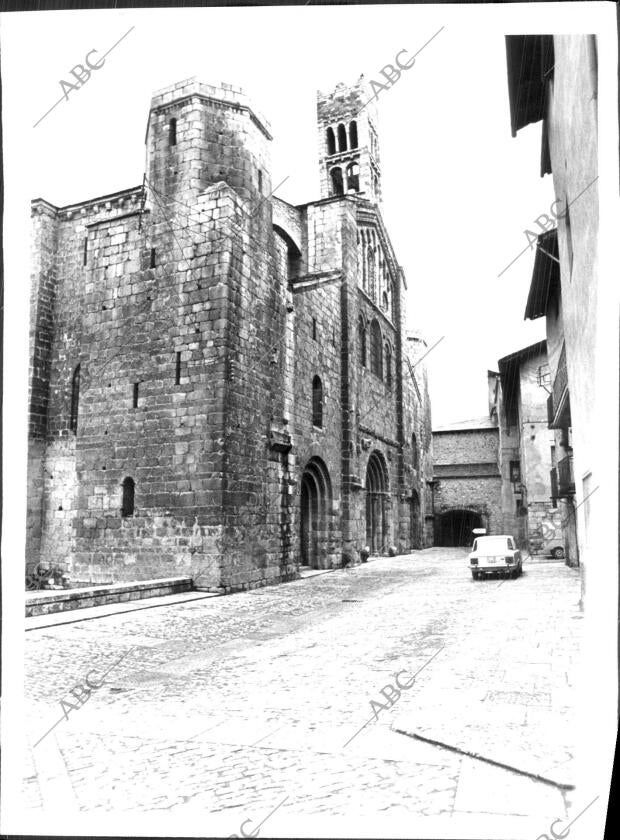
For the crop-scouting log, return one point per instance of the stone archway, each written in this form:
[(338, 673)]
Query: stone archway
[(314, 515), (377, 504), (455, 527)]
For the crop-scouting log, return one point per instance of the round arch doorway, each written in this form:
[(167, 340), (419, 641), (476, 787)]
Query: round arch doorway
[(376, 504), (315, 505)]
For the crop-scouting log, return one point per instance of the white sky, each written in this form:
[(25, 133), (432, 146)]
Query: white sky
[(458, 189)]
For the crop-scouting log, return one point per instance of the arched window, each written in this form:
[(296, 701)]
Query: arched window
[(388, 365), (392, 302), (353, 177), (385, 303), (372, 280), (376, 349), (317, 402), (331, 142), (342, 138), (75, 399), (414, 447), (337, 185), (172, 132), (129, 494), (353, 135), (361, 334)]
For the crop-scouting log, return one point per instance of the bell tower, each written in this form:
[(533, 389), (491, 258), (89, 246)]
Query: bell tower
[(348, 142)]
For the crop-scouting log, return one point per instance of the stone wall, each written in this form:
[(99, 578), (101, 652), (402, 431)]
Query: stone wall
[(470, 446), (481, 495), (467, 476)]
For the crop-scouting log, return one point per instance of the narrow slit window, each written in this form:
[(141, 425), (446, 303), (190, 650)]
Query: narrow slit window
[(361, 329), (153, 263), (388, 365), (172, 132), (136, 389), (317, 402), (85, 250), (260, 181), (129, 497), (178, 369), (314, 328), (376, 349)]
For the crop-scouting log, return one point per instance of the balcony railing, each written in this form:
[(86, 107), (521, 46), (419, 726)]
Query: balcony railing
[(566, 479)]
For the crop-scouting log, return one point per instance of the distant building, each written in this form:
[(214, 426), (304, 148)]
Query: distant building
[(466, 480), (527, 452), (495, 472), (553, 79)]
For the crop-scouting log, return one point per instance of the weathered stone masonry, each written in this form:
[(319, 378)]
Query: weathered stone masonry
[(184, 336), (467, 482)]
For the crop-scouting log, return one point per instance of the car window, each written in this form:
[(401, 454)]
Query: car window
[(492, 544), (510, 544), (475, 546)]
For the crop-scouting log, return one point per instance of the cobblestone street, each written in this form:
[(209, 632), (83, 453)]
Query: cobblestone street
[(224, 706)]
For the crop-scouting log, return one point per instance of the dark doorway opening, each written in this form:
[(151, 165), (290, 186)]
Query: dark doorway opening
[(315, 504), (376, 504), (456, 527)]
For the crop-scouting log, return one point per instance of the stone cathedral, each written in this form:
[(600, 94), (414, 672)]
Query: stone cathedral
[(221, 383)]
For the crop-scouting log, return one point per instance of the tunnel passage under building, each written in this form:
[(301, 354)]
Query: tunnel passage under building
[(455, 527)]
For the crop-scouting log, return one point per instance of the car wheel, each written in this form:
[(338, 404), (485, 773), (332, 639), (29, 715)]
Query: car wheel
[(558, 553), (475, 575)]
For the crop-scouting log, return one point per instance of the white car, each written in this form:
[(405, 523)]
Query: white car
[(493, 555)]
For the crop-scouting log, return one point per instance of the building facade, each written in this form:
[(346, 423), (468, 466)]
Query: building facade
[(221, 383), (561, 89), (496, 472), (527, 454), (467, 481)]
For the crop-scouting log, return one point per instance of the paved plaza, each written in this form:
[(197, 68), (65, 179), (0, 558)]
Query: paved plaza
[(226, 708)]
